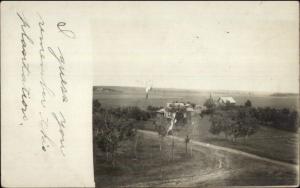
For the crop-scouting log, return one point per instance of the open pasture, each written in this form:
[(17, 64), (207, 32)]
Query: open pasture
[(133, 96)]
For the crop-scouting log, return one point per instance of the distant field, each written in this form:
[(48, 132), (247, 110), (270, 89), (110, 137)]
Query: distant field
[(126, 96)]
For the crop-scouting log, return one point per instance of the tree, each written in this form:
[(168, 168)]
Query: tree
[(248, 125), (210, 105), (284, 119), (111, 130), (161, 126), (96, 105), (222, 122), (248, 103), (216, 124), (234, 124)]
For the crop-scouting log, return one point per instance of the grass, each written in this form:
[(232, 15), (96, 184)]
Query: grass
[(127, 96), (267, 142), (202, 169), (147, 166)]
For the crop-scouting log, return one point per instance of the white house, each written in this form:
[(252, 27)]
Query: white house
[(165, 113), (226, 100), (169, 112)]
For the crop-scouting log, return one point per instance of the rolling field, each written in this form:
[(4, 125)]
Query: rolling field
[(126, 96)]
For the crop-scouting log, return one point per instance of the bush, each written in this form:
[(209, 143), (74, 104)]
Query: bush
[(233, 123), (110, 128), (216, 124), (248, 103), (210, 105), (131, 112)]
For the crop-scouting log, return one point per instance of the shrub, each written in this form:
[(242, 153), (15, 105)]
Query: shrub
[(248, 103), (233, 123)]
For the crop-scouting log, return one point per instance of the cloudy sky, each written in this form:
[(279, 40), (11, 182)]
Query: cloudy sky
[(197, 45)]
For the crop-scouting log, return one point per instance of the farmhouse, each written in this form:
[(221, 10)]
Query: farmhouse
[(222, 101), (165, 113), (172, 108)]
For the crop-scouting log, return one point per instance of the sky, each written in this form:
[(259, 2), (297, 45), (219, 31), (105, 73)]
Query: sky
[(248, 46)]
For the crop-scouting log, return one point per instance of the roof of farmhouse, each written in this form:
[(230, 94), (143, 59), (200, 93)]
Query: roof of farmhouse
[(178, 104), (172, 105), (227, 99), (161, 110)]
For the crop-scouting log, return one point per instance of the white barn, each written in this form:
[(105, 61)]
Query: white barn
[(226, 100)]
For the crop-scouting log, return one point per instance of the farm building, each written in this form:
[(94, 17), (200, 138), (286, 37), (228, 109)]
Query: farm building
[(178, 105), (226, 101), (165, 113), (173, 108)]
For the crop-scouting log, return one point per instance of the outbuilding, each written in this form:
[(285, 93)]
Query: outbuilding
[(226, 101)]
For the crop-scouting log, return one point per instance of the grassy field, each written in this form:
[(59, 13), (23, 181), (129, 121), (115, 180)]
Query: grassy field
[(126, 96), (267, 142), (149, 166)]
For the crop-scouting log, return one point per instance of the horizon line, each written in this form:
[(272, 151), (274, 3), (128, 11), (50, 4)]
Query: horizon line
[(195, 89)]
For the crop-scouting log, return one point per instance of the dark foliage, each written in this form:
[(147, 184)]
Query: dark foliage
[(210, 106), (248, 103), (153, 108), (131, 112), (114, 125), (284, 119), (234, 123)]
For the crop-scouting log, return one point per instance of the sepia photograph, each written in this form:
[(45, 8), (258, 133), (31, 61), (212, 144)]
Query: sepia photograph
[(196, 95), (149, 94)]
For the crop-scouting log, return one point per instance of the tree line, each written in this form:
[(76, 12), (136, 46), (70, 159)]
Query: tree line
[(283, 119), (233, 123), (113, 125), (244, 120)]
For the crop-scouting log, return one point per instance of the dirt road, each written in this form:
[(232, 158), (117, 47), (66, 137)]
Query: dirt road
[(229, 150), (234, 168)]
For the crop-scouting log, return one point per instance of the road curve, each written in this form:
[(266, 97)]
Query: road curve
[(233, 151)]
